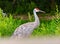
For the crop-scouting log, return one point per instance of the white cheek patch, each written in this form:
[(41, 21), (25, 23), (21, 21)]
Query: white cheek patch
[(37, 10)]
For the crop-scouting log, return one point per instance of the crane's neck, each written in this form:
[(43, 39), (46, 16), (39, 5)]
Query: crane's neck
[(36, 17)]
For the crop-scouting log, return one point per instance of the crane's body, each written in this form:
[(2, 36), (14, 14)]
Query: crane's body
[(25, 30)]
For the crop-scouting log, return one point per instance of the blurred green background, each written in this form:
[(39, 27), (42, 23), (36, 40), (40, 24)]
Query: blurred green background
[(15, 9), (24, 6)]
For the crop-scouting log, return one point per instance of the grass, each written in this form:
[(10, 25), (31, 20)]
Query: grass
[(47, 27), (8, 25)]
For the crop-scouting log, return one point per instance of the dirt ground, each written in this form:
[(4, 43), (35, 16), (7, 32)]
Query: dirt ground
[(26, 17)]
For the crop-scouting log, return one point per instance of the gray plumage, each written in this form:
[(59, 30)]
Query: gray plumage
[(25, 30)]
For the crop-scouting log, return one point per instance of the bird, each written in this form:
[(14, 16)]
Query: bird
[(25, 30)]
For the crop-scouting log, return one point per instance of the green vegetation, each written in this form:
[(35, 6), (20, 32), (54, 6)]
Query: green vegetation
[(25, 6), (8, 24), (18, 7), (47, 27)]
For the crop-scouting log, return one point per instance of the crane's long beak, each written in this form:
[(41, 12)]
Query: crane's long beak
[(42, 11)]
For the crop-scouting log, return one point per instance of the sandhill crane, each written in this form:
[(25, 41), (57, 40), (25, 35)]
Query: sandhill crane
[(26, 29)]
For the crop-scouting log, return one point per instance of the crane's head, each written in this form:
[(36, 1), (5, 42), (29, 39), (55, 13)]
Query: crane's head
[(38, 10)]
